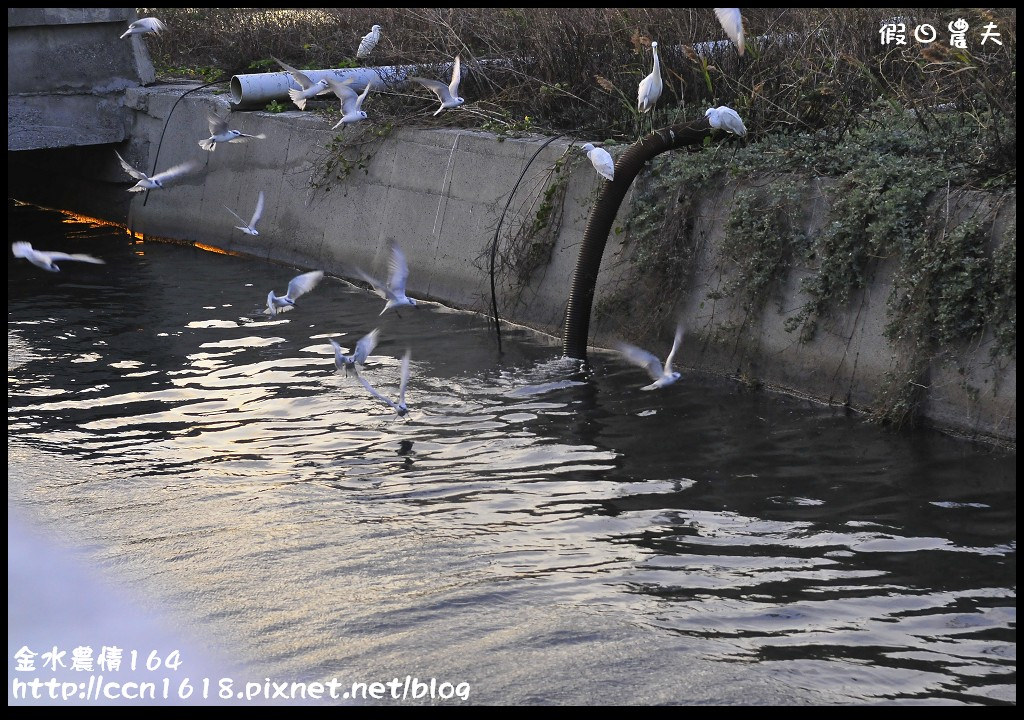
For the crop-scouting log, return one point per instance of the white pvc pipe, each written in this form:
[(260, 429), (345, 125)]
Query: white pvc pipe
[(258, 89)]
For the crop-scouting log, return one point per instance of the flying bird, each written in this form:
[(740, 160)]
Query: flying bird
[(725, 118), (47, 259), (309, 88), (144, 25), (601, 160), (145, 182), (660, 376), (369, 42), (364, 347), (299, 286), (732, 23), (250, 227), (394, 291), (447, 94), (399, 407), (351, 103), (650, 86), (219, 133)]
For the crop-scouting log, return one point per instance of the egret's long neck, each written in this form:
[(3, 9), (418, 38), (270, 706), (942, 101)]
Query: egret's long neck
[(657, 63)]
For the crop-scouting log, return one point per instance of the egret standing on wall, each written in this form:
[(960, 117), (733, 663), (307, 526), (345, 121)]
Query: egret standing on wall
[(650, 86)]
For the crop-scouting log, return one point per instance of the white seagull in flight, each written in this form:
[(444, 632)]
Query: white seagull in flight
[(399, 407), (145, 182), (351, 103), (309, 88), (299, 285), (46, 259), (394, 291), (219, 133), (364, 347), (447, 94), (660, 376), (250, 227), (144, 25)]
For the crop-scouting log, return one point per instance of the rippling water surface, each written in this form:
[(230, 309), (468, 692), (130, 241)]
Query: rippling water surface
[(544, 533)]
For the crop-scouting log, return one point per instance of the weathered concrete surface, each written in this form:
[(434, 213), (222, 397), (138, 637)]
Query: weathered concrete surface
[(440, 194), (82, 103)]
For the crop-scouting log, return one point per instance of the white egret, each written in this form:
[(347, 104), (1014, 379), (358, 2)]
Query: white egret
[(369, 42), (650, 86), (601, 160), (725, 118)]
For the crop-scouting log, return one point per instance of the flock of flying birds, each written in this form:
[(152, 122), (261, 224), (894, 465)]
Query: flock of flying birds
[(393, 290)]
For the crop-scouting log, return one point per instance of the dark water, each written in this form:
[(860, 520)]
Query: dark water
[(544, 534)]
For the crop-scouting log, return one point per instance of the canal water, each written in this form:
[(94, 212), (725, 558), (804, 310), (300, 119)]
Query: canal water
[(535, 530)]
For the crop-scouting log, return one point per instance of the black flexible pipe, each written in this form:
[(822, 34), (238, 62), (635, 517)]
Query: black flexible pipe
[(595, 237)]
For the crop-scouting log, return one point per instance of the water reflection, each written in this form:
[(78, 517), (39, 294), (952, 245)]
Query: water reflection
[(545, 532)]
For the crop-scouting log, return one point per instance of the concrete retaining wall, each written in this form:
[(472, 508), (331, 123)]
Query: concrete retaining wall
[(440, 194), (66, 73)]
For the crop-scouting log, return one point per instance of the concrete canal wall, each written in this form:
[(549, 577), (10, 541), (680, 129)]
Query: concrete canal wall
[(335, 199)]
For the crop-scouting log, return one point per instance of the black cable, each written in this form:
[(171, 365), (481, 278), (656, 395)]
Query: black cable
[(497, 231), (167, 122)]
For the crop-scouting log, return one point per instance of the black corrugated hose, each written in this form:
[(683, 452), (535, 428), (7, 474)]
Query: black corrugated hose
[(584, 278)]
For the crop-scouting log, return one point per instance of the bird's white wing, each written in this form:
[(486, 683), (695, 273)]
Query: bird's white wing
[(399, 270), (731, 120), (377, 287), (435, 86), (362, 96), (405, 378), (176, 171), (300, 77), (258, 212), (302, 284), (235, 214), (642, 358), (732, 23), (151, 24), (339, 356), (375, 393), (453, 86), (138, 175), (349, 98), (55, 256), (218, 125), (676, 344), (366, 345), (602, 162), (21, 249)]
